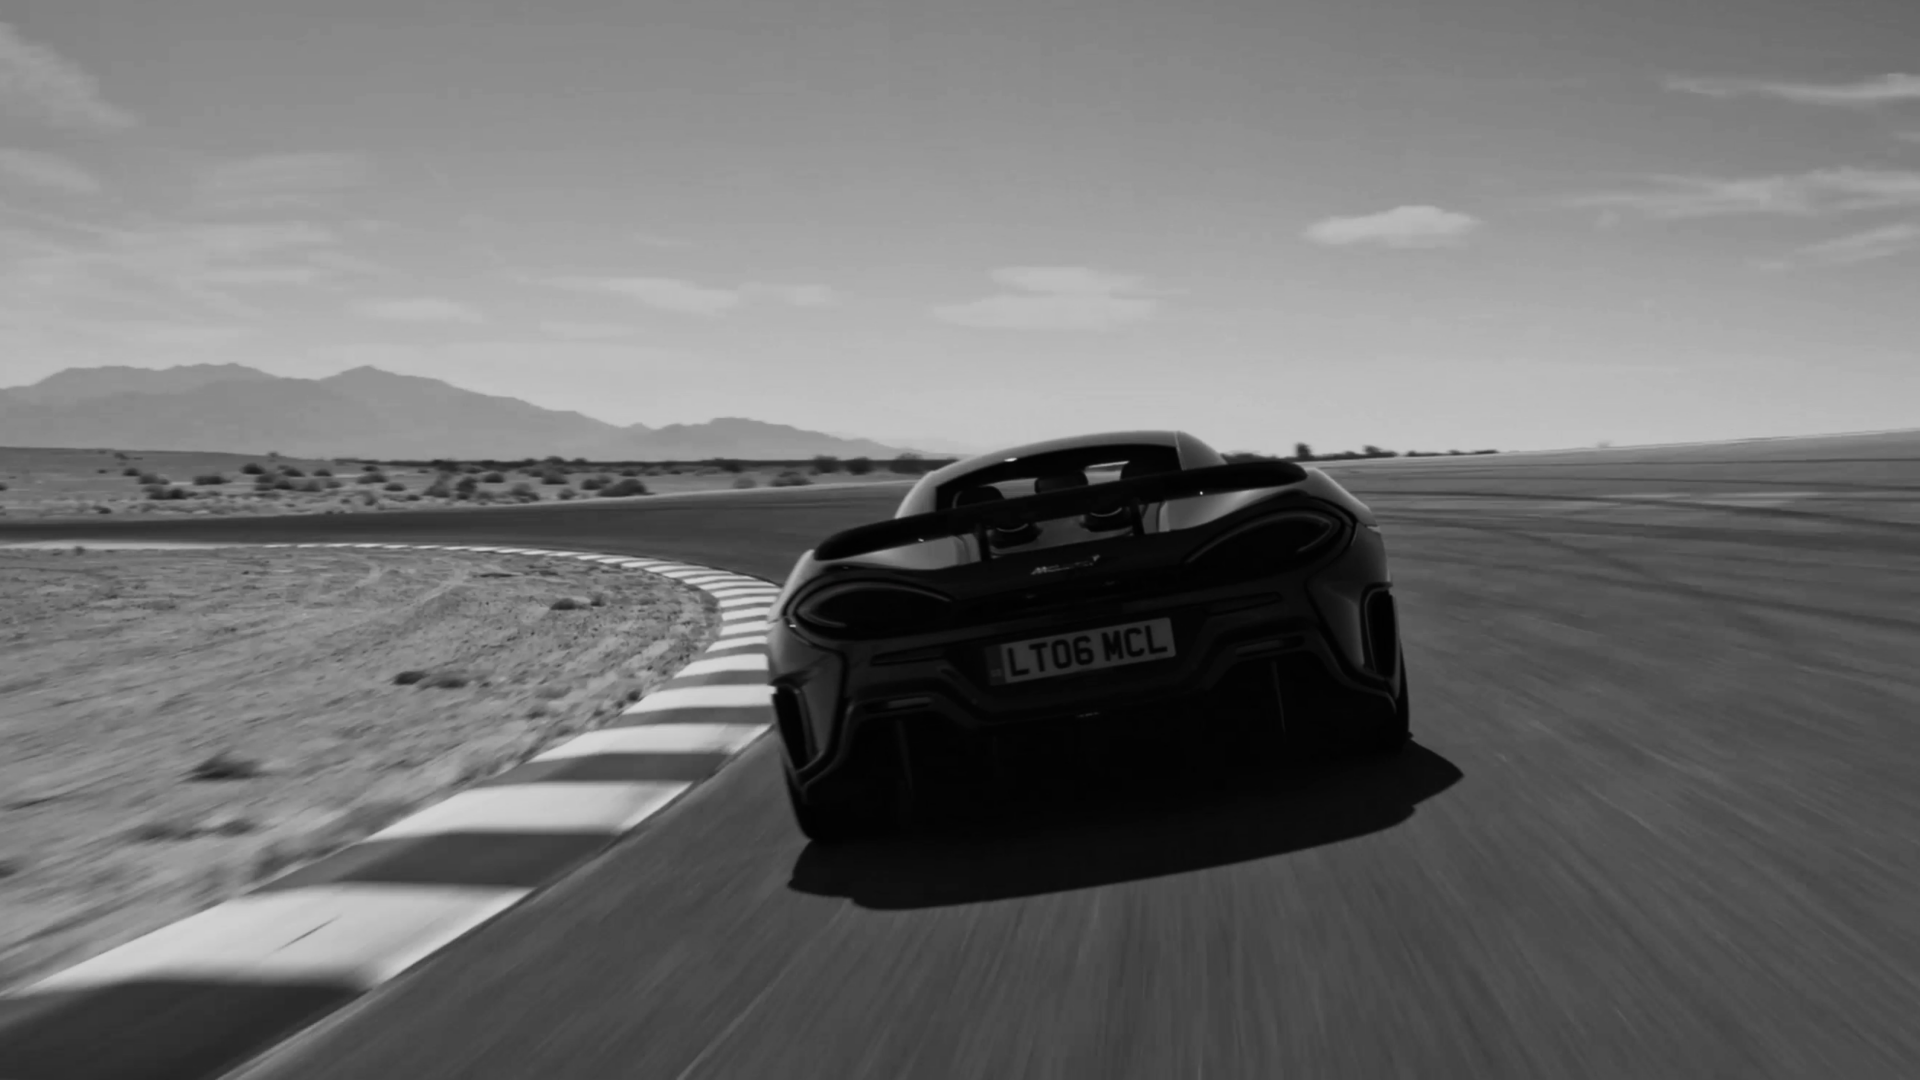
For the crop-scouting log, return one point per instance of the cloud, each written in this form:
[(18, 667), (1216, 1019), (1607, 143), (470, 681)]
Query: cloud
[(665, 294), (65, 275), (587, 331), (1822, 191), (1400, 227), (794, 295), (41, 86), (692, 298), (420, 309), (51, 172), (1884, 242), (1863, 94), (1055, 298), (278, 180)]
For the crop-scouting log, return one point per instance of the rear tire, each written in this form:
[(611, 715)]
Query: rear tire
[(875, 814)]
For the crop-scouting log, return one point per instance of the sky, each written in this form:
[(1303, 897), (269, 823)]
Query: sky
[(1514, 224)]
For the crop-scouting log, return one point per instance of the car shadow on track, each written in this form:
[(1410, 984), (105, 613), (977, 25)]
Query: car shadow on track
[(1031, 851)]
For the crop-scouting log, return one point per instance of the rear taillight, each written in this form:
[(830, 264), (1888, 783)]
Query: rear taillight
[(1383, 633), (1270, 545), (866, 610)]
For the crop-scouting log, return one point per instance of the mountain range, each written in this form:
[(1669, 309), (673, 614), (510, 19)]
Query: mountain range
[(369, 413)]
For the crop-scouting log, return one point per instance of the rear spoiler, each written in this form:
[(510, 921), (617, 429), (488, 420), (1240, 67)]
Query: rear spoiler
[(1030, 509)]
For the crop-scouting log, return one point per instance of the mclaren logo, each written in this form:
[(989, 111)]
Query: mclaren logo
[(1077, 564)]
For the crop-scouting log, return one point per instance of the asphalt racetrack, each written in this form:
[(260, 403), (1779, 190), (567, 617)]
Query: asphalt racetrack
[(1662, 820)]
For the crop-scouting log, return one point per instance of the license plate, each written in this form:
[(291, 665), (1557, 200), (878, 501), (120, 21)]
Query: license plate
[(1088, 650)]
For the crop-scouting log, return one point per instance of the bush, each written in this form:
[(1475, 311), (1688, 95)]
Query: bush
[(283, 484), (524, 492), (394, 485), (3, 487), (907, 465), (629, 472), (439, 489), (332, 483), (252, 468), (209, 479), (629, 486), (790, 478), (373, 477), (593, 483), (315, 487), (859, 466), (727, 465), (745, 482), (494, 478), (288, 470), (323, 472), (466, 486), (369, 467), (553, 476), (152, 478), (826, 463), (565, 493)]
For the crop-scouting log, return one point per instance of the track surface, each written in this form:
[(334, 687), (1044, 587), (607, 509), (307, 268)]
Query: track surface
[(1663, 821)]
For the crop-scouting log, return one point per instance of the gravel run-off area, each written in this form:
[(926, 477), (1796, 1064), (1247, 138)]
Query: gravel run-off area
[(181, 724)]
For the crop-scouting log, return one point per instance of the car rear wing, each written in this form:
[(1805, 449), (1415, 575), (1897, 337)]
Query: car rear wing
[(1011, 514)]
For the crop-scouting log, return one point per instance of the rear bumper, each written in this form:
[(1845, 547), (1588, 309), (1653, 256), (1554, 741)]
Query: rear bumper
[(919, 710)]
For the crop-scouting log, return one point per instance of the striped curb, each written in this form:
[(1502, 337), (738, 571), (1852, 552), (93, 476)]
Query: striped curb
[(202, 996)]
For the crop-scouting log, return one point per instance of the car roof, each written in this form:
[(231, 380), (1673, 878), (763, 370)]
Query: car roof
[(1193, 454)]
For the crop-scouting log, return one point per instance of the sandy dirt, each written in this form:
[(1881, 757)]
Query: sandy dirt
[(68, 483), (179, 725)]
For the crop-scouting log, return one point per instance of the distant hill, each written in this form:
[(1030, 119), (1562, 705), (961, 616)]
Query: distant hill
[(364, 412)]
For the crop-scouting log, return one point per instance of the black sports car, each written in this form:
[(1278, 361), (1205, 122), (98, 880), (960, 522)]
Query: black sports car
[(1054, 602)]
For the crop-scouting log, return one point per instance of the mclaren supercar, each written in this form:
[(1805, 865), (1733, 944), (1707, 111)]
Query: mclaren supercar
[(1045, 604)]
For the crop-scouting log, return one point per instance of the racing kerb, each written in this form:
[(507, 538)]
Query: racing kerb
[(203, 995)]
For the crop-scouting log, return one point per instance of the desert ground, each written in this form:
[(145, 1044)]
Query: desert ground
[(64, 483), (180, 724)]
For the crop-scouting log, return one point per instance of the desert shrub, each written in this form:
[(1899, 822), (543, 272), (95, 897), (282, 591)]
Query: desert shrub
[(368, 466), (253, 468), (313, 487), (566, 603), (553, 476), (907, 465), (288, 470), (621, 488), (439, 489), (394, 485), (333, 483), (373, 477), (790, 478), (3, 487), (494, 478), (745, 482), (565, 493), (593, 483), (524, 491), (859, 466), (727, 465), (130, 471), (629, 472), (408, 678), (283, 484), (209, 479), (156, 491), (826, 463), (323, 472), (152, 478), (413, 496), (466, 487), (227, 766)]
